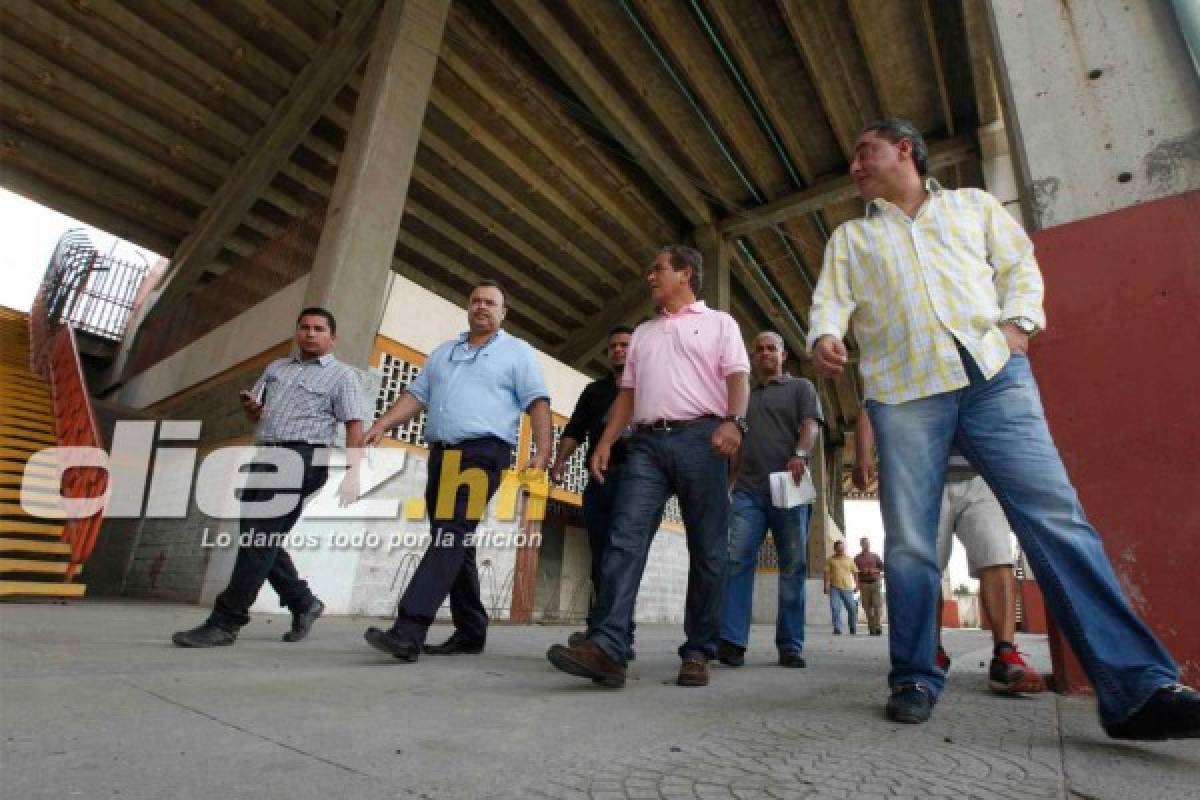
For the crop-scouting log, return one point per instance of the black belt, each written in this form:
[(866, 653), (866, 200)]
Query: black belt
[(667, 425)]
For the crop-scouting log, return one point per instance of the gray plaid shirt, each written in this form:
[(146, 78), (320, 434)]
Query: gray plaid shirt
[(305, 400)]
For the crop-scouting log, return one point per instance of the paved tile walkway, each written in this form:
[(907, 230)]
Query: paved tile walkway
[(95, 703)]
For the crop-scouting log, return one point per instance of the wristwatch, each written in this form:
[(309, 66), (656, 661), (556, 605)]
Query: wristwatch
[(1024, 324), (803, 454), (740, 422)]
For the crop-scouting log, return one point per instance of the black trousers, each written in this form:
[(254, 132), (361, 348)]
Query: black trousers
[(258, 563), (448, 566)]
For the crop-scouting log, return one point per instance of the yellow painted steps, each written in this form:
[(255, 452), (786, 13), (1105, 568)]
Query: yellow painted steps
[(34, 561), (47, 589)]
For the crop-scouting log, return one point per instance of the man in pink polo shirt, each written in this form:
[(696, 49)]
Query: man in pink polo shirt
[(685, 390)]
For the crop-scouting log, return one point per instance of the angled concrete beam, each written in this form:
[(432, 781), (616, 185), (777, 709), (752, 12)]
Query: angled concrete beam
[(941, 154), (352, 264), (313, 89), (536, 22)]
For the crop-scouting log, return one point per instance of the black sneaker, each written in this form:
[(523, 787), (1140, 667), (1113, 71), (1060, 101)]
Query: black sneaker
[(207, 635), (910, 703), (790, 659), (1172, 712), (302, 623), (388, 642), (456, 645), (730, 654), (577, 638)]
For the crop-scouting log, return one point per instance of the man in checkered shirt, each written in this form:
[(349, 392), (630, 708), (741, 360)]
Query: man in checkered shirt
[(297, 405), (944, 294)]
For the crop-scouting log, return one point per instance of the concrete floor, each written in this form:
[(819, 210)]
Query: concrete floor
[(96, 703)]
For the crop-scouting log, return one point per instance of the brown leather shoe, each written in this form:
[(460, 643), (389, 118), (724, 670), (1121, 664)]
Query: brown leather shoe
[(693, 672), (588, 661)]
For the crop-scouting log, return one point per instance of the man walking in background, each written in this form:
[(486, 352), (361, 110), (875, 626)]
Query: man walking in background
[(841, 585), (783, 418), (870, 583), (587, 423)]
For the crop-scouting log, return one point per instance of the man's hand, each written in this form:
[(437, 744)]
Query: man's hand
[(797, 466), (1018, 340), (861, 476), (252, 407), (537, 462), (600, 456), (829, 356), (558, 471), (348, 489), (726, 439), (373, 435)]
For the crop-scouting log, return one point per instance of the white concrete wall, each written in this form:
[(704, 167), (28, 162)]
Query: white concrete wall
[(1104, 99)]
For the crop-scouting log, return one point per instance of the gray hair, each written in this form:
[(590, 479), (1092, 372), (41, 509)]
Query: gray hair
[(894, 130), (778, 339)]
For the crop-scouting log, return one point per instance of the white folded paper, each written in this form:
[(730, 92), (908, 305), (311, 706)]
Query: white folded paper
[(786, 494)]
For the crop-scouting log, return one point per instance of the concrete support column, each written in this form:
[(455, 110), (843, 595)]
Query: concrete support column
[(1104, 105), (717, 252), (352, 266), (819, 546), (999, 176)]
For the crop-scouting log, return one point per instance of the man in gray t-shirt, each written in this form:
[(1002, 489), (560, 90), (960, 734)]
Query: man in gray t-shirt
[(782, 418)]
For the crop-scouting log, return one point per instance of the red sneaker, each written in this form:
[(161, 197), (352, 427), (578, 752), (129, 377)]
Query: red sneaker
[(1009, 674)]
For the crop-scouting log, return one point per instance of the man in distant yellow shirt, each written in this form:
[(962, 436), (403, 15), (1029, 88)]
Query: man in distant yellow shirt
[(841, 584), (944, 293)]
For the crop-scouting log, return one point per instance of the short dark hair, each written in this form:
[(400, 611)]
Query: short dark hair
[(317, 311), (619, 329), (491, 284), (895, 129), (683, 257)]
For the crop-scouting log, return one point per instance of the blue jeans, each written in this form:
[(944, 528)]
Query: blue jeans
[(751, 515), (598, 500), (839, 599), (659, 464), (1000, 427)]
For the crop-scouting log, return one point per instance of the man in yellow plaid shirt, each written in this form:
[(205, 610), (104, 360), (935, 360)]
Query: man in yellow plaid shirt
[(944, 293)]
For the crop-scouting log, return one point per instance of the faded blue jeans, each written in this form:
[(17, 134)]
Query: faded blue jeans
[(658, 465), (752, 514), (847, 599), (1000, 427)]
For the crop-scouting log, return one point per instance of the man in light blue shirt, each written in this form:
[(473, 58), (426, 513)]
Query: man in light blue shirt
[(473, 389)]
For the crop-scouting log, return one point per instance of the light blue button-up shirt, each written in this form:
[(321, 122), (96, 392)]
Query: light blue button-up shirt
[(471, 392)]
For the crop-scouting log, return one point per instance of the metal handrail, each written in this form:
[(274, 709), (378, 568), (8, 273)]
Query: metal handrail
[(75, 425), (54, 354)]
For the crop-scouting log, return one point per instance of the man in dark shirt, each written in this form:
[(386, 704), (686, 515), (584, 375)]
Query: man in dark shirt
[(587, 422), (783, 417)]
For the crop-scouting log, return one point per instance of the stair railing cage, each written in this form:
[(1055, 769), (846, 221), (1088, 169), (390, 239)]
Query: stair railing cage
[(70, 295)]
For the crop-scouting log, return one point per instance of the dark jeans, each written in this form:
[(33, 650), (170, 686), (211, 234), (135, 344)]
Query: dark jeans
[(448, 567), (268, 562), (659, 464), (598, 500)]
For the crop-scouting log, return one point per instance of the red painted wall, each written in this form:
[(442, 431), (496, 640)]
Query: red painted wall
[(1119, 371)]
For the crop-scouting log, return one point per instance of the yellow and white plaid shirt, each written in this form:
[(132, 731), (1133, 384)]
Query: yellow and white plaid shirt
[(915, 288)]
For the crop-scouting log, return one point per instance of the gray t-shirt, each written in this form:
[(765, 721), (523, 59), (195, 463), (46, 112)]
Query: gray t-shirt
[(774, 415)]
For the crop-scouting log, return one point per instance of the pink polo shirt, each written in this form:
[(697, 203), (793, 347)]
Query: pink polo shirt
[(677, 364)]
